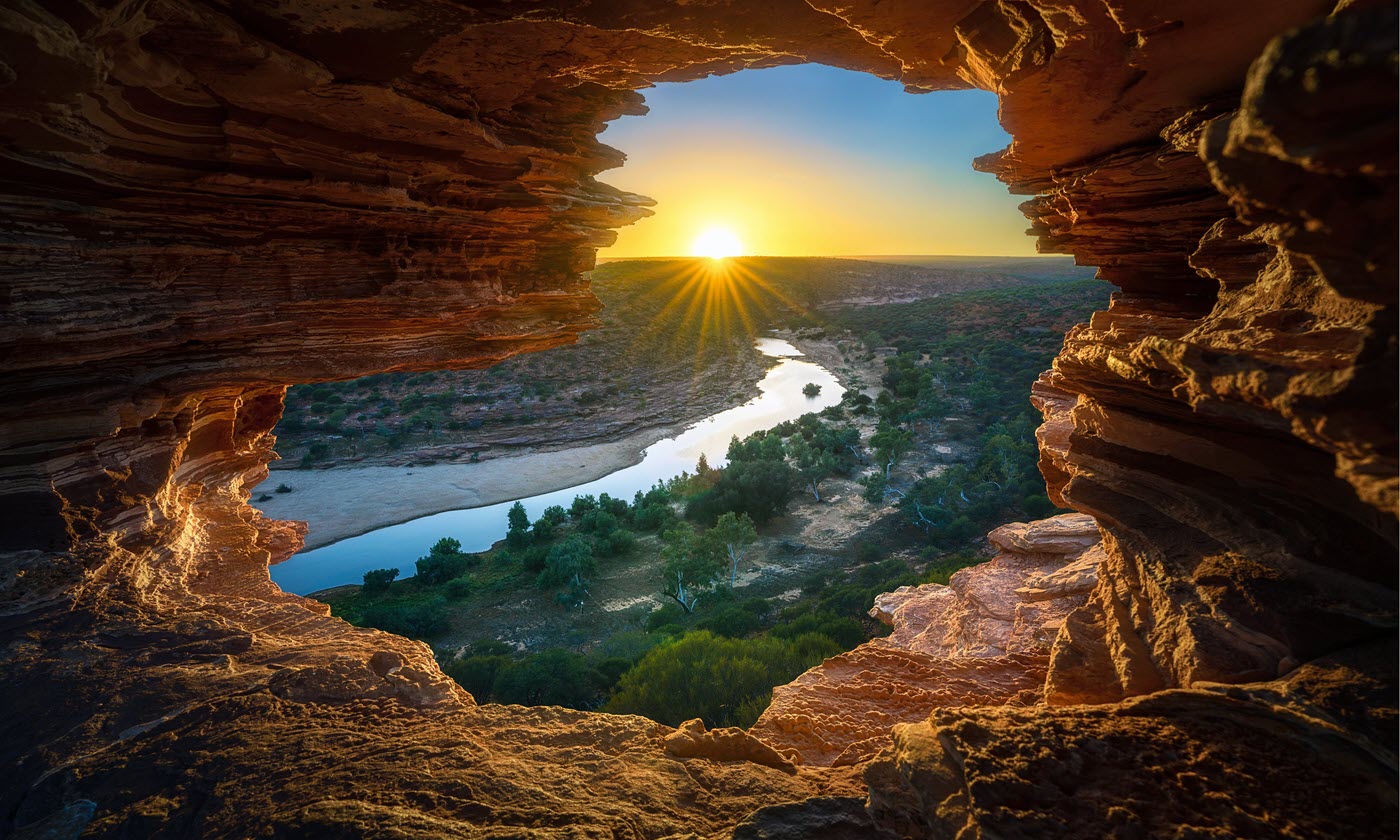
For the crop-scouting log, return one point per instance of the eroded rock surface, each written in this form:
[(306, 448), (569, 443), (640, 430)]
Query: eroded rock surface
[(984, 639), (204, 202)]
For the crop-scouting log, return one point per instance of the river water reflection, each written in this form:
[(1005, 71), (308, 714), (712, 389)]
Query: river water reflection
[(478, 528)]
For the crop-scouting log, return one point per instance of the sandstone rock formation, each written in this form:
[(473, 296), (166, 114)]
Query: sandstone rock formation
[(984, 639), (205, 201)]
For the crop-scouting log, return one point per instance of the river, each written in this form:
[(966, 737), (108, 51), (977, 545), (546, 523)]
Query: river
[(398, 546)]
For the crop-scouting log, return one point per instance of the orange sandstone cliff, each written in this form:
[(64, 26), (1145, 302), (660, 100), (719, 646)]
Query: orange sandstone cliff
[(207, 201)]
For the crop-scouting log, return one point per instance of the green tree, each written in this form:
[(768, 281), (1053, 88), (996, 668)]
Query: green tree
[(689, 565), (444, 562), (760, 488), (890, 444), (812, 464), (569, 564), (932, 407), (517, 519), (733, 532), (378, 580)]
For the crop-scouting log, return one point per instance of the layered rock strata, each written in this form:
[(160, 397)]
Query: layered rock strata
[(204, 202), (984, 639)]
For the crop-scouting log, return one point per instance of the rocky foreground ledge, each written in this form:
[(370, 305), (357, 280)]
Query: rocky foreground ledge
[(983, 640)]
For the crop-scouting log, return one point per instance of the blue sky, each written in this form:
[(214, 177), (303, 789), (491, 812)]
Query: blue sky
[(818, 161)]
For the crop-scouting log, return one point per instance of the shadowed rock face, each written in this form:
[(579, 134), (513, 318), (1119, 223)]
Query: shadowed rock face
[(204, 202)]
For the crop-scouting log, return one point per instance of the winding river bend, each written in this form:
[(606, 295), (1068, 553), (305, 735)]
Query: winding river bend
[(781, 399)]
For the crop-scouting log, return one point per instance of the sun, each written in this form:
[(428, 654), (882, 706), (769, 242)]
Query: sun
[(717, 243)]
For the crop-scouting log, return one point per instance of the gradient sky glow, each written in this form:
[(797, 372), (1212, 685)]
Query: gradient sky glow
[(815, 161)]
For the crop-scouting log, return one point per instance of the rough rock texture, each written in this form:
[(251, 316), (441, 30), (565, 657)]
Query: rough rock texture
[(1212, 762), (692, 740), (983, 640), (202, 202)]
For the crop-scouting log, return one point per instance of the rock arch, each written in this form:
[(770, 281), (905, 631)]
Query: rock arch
[(205, 202)]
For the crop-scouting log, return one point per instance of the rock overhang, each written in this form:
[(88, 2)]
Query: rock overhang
[(206, 202)]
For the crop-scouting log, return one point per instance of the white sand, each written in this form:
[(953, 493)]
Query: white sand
[(348, 501)]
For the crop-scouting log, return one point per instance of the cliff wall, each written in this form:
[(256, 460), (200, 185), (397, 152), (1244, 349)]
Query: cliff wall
[(204, 202)]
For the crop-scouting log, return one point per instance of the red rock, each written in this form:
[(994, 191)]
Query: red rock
[(977, 641), (204, 202)]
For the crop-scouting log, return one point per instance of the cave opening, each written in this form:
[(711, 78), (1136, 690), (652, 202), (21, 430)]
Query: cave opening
[(880, 316)]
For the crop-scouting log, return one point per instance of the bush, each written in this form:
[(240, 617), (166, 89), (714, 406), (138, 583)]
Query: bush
[(554, 515), (630, 645), (418, 621), (582, 505), (845, 632), (283, 488), (731, 620), (459, 588), (617, 507), (491, 647), (759, 488), (549, 678), (532, 559), (811, 389), (569, 562), (724, 682), (616, 544), (544, 530), (378, 580), (598, 522), (477, 673), (666, 619), (653, 517), (444, 562)]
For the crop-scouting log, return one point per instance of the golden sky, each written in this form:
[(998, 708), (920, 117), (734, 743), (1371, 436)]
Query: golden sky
[(813, 161)]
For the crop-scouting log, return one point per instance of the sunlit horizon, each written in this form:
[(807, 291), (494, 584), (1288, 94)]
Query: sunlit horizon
[(815, 161), (717, 242)]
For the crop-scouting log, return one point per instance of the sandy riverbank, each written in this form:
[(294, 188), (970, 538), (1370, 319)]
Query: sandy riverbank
[(349, 501)]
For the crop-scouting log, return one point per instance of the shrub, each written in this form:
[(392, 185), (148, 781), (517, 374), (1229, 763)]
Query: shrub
[(444, 562), (845, 632), (811, 389), (616, 544), (378, 580), (724, 682), (617, 507), (598, 522), (731, 620), (459, 588), (652, 517), (549, 678), (554, 515), (477, 673), (532, 559), (666, 618), (491, 647), (419, 621), (569, 561), (582, 505), (761, 488), (544, 530)]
